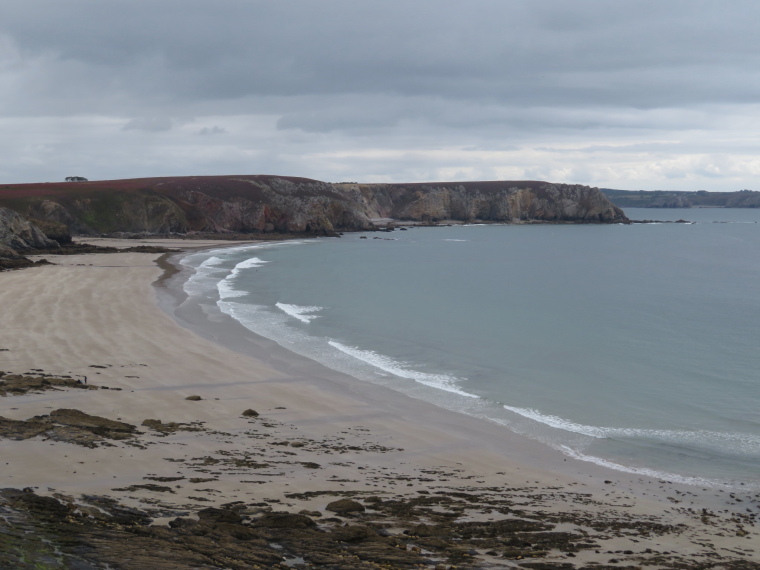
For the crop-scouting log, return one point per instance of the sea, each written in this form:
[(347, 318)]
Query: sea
[(635, 347)]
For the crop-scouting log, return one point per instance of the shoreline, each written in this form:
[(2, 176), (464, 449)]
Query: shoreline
[(249, 341), (99, 310)]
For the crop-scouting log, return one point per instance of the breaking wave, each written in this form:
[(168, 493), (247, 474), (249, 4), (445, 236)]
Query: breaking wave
[(745, 443), (303, 314), (400, 369), (225, 286)]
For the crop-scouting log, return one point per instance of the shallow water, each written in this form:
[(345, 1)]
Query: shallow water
[(630, 346)]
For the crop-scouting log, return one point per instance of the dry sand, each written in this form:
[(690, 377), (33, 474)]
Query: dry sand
[(97, 316)]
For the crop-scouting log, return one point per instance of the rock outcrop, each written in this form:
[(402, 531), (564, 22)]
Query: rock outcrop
[(18, 236), (277, 204), (491, 201)]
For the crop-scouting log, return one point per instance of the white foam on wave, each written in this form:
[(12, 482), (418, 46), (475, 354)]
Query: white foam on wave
[(248, 264), (227, 291), (299, 312), (451, 239), (206, 276), (226, 288), (557, 422), (207, 272), (212, 262), (387, 364), (744, 443), (660, 475)]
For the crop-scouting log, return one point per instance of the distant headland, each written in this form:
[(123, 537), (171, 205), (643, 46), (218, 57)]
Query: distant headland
[(682, 199)]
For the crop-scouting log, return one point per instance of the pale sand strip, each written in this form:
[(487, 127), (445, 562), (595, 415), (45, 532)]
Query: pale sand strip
[(101, 310)]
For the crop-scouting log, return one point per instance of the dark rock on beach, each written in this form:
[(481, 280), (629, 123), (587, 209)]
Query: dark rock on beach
[(166, 428), (343, 506), (17, 384), (72, 426)]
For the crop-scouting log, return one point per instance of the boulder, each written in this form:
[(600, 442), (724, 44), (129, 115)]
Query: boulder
[(281, 519), (343, 506), (219, 516)]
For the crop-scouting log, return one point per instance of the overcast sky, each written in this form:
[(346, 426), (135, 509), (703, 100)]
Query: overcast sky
[(623, 94)]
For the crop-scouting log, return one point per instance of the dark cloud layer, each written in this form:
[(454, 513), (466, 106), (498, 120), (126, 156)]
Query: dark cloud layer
[(629, 93)]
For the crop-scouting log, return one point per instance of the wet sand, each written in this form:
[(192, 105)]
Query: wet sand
[(318, 434)]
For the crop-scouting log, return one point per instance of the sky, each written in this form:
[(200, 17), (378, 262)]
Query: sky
[(620, 94)]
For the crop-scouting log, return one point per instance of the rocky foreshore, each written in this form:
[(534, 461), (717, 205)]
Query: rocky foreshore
[(449, 518)]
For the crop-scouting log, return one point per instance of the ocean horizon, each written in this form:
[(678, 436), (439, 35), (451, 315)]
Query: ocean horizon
[(629, 346)]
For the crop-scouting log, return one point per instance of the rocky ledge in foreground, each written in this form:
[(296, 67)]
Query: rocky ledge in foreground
[(423, 532), (449, 524)]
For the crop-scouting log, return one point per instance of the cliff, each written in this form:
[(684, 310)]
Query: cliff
[(680, 199), (20, 235), (490, 202), (260, 204), (17, 237)]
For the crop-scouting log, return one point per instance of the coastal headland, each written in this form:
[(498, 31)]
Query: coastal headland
[(133, 440), (280, 204)]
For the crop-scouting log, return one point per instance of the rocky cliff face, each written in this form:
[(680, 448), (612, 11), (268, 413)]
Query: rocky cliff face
[(273, 204), (491, 201), (19, 235), (244, 204)]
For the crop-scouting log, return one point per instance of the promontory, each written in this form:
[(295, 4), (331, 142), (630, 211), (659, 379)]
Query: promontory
[(284, 204)]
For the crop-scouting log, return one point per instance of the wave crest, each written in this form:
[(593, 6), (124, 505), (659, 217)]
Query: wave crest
[(299, 312), (387, 364)]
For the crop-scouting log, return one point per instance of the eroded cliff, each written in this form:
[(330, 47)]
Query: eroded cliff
[(491, 201), (260, 204), (18, 236)]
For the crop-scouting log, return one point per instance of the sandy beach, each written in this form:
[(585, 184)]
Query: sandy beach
[(271, 432)]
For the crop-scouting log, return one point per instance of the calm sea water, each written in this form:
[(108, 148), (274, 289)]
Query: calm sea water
[(635, 347)]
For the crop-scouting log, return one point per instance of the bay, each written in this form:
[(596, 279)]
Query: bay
[(633, 346)]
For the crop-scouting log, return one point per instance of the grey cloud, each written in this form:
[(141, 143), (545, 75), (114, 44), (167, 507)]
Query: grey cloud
[(355, 80), (526, 53), (215, 130), (150, 124)]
